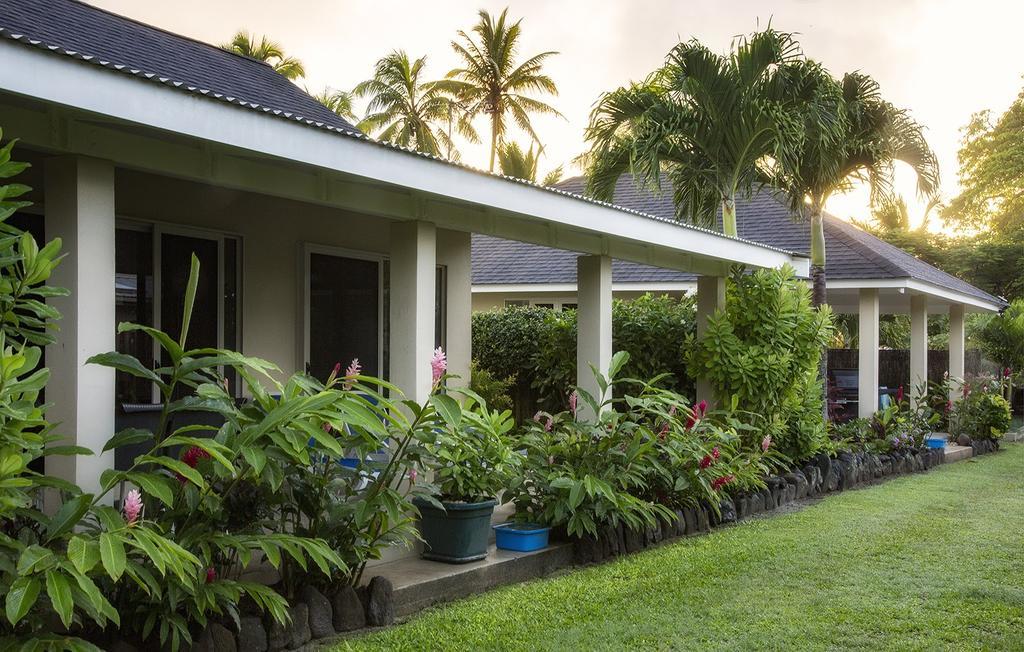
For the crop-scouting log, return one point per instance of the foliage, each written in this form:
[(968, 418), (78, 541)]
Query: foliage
[(982, 413), (538, 345), (495, 391), (762, 352), (471, 451), (405, 110), (642, 455), (709, 122), (203, 500), (516, 163), (881, 555), (52, 565), (266, 50), (1002, 336), (337, 100), (490, 80)]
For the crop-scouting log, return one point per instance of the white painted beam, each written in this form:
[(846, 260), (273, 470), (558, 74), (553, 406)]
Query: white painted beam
[(956, 348), (918, 347), (413, 268), (593, 322), (454, 253), (867, 335), (79, 195), (710, 299)]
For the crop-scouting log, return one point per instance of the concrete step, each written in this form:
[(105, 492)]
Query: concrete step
[(420, 583), (956, 453)]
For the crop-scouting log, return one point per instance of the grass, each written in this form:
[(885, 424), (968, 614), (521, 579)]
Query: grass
[(924, 562)]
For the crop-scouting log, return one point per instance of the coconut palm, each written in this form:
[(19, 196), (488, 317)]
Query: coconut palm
[(514, 162), (707, 122), (492, 82), (266, 50), (874, 135), (407, 111), (337, 100)]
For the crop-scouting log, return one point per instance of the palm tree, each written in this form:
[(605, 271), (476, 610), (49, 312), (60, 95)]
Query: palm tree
[(405, 110), (491, 82), (516, 163), (337, 100), (874, 135), (266, 50), (707, 122)]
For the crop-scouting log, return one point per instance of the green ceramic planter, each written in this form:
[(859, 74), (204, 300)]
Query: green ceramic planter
[(457, 535)]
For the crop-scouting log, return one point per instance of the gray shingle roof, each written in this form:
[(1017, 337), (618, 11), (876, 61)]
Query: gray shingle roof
[(764, 218), (124, 44)]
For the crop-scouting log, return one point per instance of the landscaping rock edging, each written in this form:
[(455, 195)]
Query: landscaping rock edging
[(818, 476)]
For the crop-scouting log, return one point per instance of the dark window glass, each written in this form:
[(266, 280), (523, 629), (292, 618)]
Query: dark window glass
[(568, 306), (231, 328), (175, 264), (133, 293), (343, 313), (516, 302), (440, 292), (545, 305)]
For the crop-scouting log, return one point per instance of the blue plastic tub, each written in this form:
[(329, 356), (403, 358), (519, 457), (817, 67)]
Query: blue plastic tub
[(521, 537), (935, 442)]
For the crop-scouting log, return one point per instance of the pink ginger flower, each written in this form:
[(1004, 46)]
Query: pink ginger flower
[(766, 443), (354, 369), (715, 453), (133, 506), (1007, 372), (334, 373), (538, 416), (949, 405), (547, 424), (412, 476), (966, 390), (438, 365), (574, 399)]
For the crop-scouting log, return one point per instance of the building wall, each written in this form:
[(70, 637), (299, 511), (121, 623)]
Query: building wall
[(494, 300), (272, 231)]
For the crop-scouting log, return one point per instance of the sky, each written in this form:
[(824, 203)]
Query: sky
[(941, 59)]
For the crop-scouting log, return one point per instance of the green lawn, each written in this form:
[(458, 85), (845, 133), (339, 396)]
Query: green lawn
[(924, 562)]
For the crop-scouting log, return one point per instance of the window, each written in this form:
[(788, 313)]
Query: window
[(516, 302), (152, 265), (568, 306), (549, 306)]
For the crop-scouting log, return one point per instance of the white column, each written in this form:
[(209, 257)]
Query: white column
[(710, 298), (918, 346), (413, 267), (867, 362), (593, 321), (956, 348), (79, 203), (454, 252)]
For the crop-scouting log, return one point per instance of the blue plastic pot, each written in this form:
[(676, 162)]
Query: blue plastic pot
[(935, 442), (521, 537)]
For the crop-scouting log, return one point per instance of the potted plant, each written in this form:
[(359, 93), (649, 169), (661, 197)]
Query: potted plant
[(472, 461)]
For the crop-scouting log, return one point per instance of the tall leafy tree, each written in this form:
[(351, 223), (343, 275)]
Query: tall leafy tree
[(491, 81), (708, 122), (874, 135), (405, 110), (266, 50), (514, 162), (337, 100)]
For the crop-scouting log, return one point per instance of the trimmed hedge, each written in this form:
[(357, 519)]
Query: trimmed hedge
[(537, 346)]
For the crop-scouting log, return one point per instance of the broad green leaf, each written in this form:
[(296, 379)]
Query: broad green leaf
[(59, 590), (83, 553), (112, 554), (448, 408), (190, 299), (159, 486), (20, 598), (68, 516), (127, 364), (127, 437)]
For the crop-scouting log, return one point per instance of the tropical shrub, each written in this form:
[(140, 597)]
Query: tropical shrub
[(494, 390), (52, 566), (982, 413), (893, 428), (538, 345), (644, 454), (470, 450), (762, 353)]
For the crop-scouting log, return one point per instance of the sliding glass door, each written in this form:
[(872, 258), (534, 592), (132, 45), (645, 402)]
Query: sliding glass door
[(344, 311)]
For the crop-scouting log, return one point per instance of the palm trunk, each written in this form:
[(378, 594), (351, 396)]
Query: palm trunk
[(818, 291), (494, 138), (729, 216)]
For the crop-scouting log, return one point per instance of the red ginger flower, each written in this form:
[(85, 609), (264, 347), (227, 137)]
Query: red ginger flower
[(191, 457), (715, 453), (211, 575), (718, 482), (706, 462), (899, 394)]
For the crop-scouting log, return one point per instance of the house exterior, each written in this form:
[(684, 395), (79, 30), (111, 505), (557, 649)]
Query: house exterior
[(317, 244), (865, 276)]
